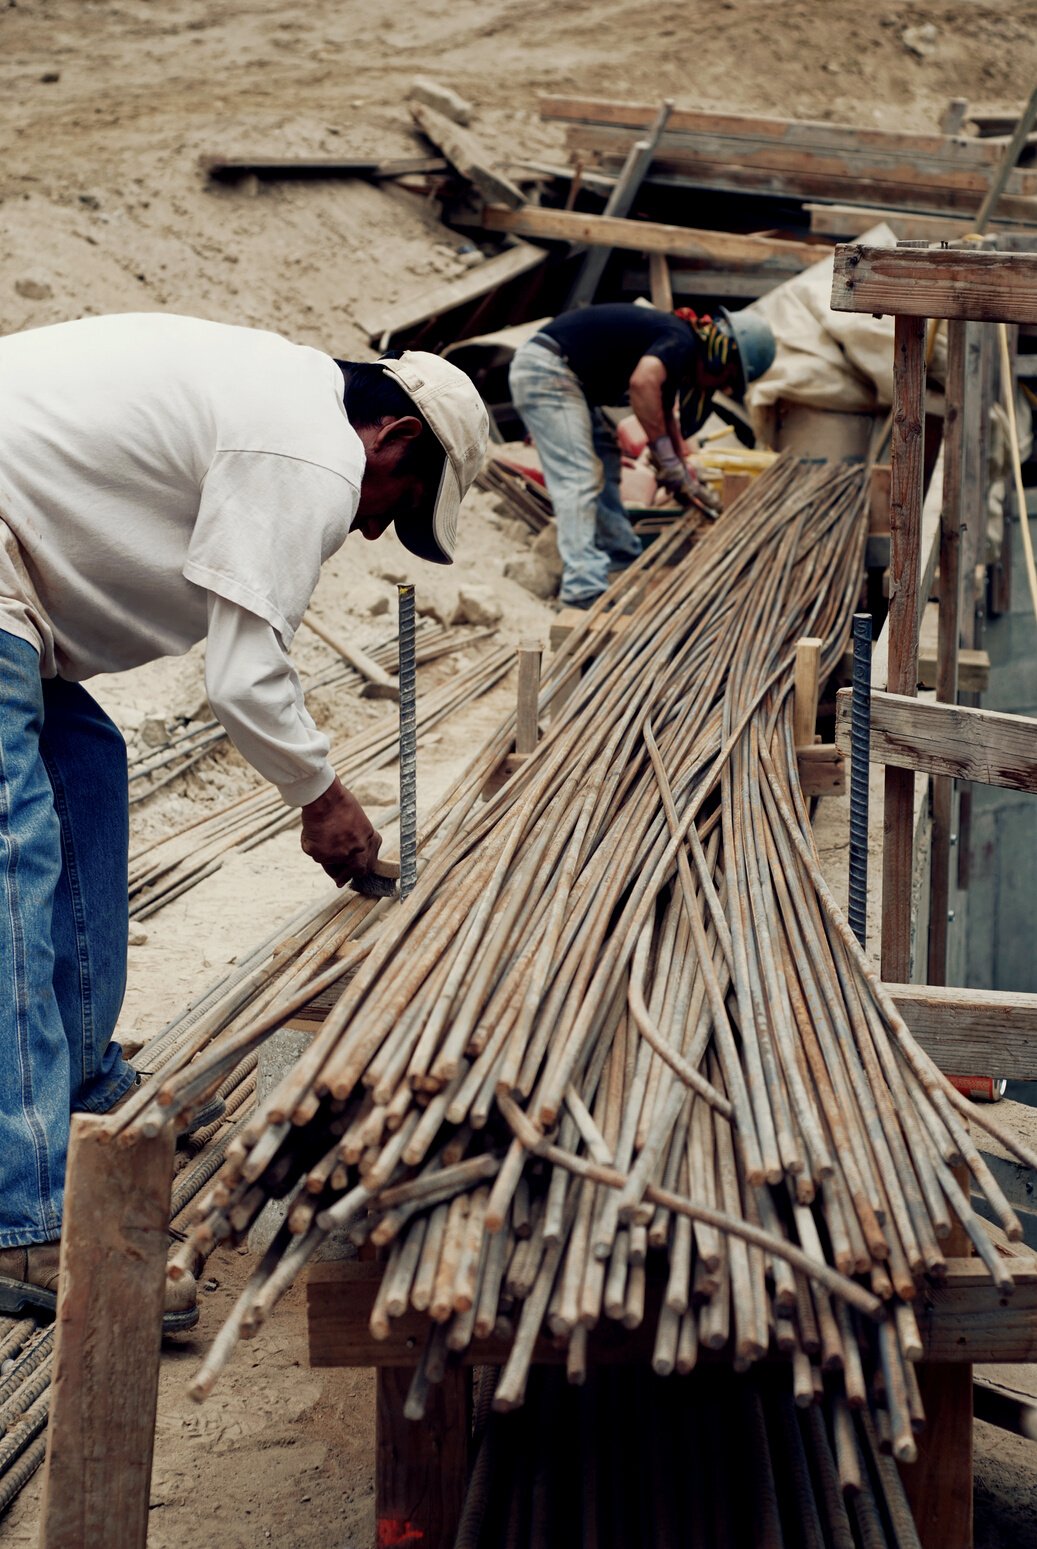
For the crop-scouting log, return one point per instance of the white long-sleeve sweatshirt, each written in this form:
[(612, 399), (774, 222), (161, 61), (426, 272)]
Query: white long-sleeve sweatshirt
[(163, 479)]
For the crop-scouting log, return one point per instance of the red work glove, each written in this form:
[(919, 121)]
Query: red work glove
[(338, 835), (675, 476)]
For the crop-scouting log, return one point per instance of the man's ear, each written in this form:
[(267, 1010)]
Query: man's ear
[(393, 432)]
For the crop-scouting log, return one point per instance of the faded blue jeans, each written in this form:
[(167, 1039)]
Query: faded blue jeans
[(581, 464), (64, 835)]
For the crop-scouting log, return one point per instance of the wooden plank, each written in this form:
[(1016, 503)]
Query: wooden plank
[(620, 202), (966, 1319), (376, 678), (711, 247), (822, 769), (568, 619), (879, 178), (971, 1029), (982, 373), (341, 1293), (804, 133), (688, 281), (929, 545), (1012, 151), (936, 282), (973, 665), (948, 630), (464, 152), (968, 744), (443, 98), (939, 1483), (527, 730), (433, 301), (963, 1319), (865, 177), (224, 169), (421, 1467), (846, 221), (659, 282), (109, 1320), (805, 690), (878, 500), (905, 513)]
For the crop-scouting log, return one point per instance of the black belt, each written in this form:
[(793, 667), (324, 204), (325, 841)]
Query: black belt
[(546, 342)]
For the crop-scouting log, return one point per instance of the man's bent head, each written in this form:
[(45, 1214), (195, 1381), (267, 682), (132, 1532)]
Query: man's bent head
[(425, 430)]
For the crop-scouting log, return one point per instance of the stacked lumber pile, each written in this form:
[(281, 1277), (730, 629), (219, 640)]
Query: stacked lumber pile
[(620, 1036)]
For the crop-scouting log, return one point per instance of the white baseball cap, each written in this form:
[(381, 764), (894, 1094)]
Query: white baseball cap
[(457, 416)]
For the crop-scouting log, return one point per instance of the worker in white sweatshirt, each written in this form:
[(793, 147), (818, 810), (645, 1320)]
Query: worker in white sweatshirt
[(163, 480)]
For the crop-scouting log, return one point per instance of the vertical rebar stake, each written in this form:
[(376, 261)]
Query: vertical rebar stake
[(408, 745), (860, 758)]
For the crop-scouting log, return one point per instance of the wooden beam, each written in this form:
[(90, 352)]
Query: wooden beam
[(939, 1483), (421, 1466), (822, 769), (1012, 151), (101, 1432), (464, 152), (527, 729), (848, 221), (802, 134), (433, 301), (706, 281), (659, 284), (972, 1029), (936, 282), (948, 641), (956, 740), (620, 202), (905, 520), (379, 685), (973, 665), (443, 98), (966, 1319), (963, 1319), (568, 619), (743, 168), (223, 169), (929, 548), (805, 690), (725, 248), (878, 500)]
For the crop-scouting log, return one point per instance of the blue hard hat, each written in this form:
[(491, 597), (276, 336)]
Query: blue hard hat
[(754, 341)]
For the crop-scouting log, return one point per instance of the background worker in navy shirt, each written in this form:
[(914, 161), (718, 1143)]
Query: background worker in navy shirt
[(667, 366)]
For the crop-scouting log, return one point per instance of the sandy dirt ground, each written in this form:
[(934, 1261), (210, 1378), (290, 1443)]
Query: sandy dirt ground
[(105, 110)]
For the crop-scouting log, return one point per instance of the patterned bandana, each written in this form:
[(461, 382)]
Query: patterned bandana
[(716, 345)]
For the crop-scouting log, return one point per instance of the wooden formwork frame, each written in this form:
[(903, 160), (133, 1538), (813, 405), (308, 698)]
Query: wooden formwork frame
[(101, 1433), (967, 287)]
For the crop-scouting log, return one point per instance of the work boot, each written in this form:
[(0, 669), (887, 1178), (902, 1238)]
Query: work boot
[(29, 1288)]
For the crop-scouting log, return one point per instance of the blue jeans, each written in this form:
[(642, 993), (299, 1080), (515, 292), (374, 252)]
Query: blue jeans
[(64, 836), (581, 464)]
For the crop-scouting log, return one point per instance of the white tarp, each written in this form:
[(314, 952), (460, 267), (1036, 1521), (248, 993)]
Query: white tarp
[(841, 361)]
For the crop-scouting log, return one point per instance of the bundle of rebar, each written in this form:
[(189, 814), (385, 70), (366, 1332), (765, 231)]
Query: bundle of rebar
[(620, 1034), (707, 1463)]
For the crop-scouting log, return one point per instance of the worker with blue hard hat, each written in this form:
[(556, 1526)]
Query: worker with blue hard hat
[(667, 366)]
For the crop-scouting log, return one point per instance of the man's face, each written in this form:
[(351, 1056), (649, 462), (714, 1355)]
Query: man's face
[(727, 379), (385, 491)]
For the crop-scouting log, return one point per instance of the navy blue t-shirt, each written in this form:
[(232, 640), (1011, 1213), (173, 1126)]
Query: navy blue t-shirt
[(603, 344)]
